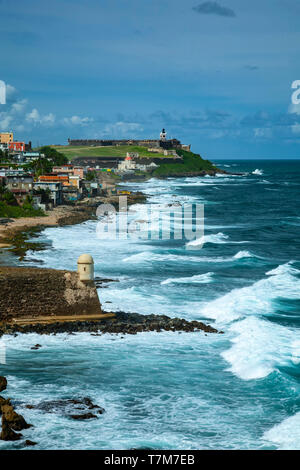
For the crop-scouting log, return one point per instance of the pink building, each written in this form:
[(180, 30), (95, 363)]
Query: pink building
[(69, 170)]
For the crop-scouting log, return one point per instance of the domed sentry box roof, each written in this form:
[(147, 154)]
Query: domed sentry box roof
[(85, 259)]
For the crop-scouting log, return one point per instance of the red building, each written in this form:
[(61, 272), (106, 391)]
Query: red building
[(16, 146)]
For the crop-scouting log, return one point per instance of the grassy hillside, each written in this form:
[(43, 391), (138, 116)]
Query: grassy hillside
[(108, 151), (192, 164)]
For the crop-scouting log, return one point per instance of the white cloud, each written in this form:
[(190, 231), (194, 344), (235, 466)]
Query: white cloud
[(263, 133), (19, 106), (10, 91), (5, 121), (294, 109), (48, 119), (77, 121), (34, 117), (122, 129)]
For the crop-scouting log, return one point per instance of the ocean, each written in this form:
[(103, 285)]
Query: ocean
[(239, 390)]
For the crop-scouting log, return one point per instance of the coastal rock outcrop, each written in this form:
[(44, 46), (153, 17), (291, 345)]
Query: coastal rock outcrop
[(7, 434), (29, 443), (120, 323), (83, 416), (75, 408), (3, 383), (13, 419)]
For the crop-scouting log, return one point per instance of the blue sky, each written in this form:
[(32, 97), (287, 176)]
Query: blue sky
[(217, 75)]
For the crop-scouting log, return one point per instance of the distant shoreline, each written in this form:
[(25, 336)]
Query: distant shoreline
[(10, 232)]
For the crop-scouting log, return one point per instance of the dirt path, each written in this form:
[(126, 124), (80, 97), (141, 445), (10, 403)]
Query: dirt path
[(59, 318)]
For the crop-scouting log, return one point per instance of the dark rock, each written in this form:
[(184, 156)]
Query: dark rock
[(7, 434), (4, 221), (123, 323), (88, 402), (83, 416), (4, 401), (69, 406), (13, 419), (3, 383), (30, 443)]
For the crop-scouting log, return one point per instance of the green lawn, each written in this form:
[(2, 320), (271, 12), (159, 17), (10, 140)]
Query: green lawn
[(108, 151)]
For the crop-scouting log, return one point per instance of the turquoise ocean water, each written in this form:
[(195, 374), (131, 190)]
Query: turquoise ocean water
[(169, 390)]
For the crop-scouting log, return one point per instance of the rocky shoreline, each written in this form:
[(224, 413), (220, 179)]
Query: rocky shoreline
[(79, 409), (14, 233), (11, 421), (122, 323)]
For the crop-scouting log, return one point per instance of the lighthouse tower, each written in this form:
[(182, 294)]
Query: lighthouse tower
[(163, 135)]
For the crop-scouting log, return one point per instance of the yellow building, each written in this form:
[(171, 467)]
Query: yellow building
[(6, 137)]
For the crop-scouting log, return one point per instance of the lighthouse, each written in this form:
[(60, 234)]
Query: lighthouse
[(163, 135)]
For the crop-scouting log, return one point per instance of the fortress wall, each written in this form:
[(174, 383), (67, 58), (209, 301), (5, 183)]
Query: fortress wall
[(33, 292), (154, 143)]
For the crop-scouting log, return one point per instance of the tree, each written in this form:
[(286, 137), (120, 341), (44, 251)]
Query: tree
[(91, 176), (7, 196), (39, 166), (57, 158)]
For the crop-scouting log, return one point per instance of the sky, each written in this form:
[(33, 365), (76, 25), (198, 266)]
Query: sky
[(216, 75)]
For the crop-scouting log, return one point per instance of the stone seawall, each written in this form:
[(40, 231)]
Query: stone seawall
[(33, 292)]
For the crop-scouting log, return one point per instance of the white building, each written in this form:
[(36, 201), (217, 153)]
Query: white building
[(127, 165), (163, 135)]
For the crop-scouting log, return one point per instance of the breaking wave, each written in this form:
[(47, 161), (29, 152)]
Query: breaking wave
[(197, 279), (286, 434)]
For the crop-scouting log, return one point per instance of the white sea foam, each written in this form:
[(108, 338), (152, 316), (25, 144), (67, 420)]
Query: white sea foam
[(138, 257), (197, 279), (215, 238), (286, 435), (244, 254), (150, 256), (257, 172), (259, 347), (257, 299), (286, 268)]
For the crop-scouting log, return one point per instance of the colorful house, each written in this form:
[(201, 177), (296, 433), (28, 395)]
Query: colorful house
[(16, 146), (6, 137)]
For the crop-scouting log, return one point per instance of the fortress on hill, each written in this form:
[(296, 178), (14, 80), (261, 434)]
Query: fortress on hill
[(162, 142)]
